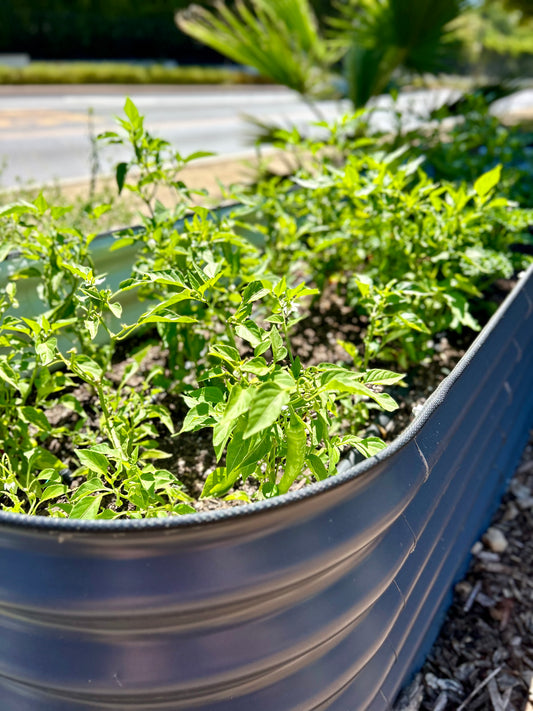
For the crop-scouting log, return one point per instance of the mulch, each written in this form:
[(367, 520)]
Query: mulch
[(483, 658)]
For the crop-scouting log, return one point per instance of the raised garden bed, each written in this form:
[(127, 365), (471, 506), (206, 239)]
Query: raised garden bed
[(322, 597)]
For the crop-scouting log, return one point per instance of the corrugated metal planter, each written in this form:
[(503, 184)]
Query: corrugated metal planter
[(321, 599)]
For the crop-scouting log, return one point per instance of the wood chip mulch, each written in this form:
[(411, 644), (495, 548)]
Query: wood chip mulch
[(483, 658)]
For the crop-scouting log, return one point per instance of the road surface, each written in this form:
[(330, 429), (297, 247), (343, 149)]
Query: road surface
[(45, 134), (47, 137)]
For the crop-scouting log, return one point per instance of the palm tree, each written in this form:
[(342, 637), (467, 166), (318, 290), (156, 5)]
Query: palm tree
[(381, 36), (281, 40)]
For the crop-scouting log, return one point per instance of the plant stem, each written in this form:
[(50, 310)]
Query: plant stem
[(107, 418), (287, 339)]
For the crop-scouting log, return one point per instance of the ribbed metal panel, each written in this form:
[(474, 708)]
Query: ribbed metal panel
[(321, 599)]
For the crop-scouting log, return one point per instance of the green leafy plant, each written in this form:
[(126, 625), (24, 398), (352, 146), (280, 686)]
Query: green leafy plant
[(280, 39), (55, 254), (154, 161), (376, 37), (477, 142), (438, 245), (90, 400), (383, 35), (276, 417)]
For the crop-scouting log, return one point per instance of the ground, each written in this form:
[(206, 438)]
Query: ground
[(483, 658)]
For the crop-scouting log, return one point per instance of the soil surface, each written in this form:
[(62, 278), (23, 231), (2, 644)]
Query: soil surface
[(483, 658)]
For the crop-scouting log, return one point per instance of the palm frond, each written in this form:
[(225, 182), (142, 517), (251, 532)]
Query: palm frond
[(382, 35), (279, 38)]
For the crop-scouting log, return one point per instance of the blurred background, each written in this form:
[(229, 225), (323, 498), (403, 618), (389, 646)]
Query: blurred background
[(492, 37), (193, 71)]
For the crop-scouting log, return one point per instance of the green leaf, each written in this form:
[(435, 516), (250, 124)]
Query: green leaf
[(88, 487), (266, 405), (227, 353), (279, 39), (92, 326), (132, 112), (302, 290), (19, 208), (367, 446), (80, 271), (274, 318), (86, 508), (182, 509), (382, 377), (87, 367), (218, 482), (250, 332), (258, 366), (49, 476), (370, 446), (47, 351), (155, 454), (238, 403), (171, 318), (107, 134), (5, 248), (36, 417), (262, 348), (413, 321), (115, 308), (317, 466), (122, 242), (198, 416), (246, 454), (384, 400), (341, 381), (253, 291), (41, 203), (487, 181), (278, 349), (94, 461), (40, 458), (162, 414), (322, 181), (99, 210), (53, 491), (8, 375), (350, 348), (198, 154), (238, 496), (208, 394), (364, 284), (284, 379)]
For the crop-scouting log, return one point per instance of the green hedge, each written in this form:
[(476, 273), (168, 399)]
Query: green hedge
[(121, 73)]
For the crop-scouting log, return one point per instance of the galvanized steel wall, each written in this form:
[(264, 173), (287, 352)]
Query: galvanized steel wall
[(321, 599)]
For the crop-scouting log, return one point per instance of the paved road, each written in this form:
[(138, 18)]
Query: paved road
[(44, 132), (46, 137)]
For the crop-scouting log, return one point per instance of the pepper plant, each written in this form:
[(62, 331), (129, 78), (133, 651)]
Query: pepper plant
[(89, 399)]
